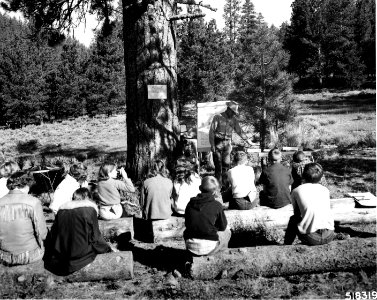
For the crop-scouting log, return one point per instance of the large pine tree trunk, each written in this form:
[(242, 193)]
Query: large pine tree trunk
[(150, 59)]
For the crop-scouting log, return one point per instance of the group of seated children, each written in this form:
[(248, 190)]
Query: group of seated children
[(75, 239)]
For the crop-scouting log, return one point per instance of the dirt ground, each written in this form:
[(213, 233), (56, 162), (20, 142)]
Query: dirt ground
[(159, 274), (159, 271)]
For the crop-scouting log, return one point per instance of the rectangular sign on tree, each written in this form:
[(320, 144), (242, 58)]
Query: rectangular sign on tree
[(157, 92)]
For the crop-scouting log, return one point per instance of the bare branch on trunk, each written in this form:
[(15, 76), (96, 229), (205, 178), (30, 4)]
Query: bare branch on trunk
[(193, 2), (186, 16)]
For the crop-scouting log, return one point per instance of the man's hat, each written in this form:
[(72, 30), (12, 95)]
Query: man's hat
[(233, 106)]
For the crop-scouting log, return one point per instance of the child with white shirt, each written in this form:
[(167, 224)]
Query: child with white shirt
[(185, 186), (241, 180), (75, 179), (312, 221)]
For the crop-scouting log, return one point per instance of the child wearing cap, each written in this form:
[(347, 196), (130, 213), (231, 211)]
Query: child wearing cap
[(276, 180), (206, 225), (241, 179)]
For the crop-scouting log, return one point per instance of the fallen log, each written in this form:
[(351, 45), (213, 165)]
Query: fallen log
[(108, 266), (112, 229), (263, 217), (271, 261)]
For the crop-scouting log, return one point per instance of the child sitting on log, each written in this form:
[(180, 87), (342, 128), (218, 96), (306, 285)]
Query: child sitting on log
[(75, 179), (108, 189), (312, 221), (156, 192), (276, 180), (6, 170), (75, 238), (22, 223), (185, 186), (242, 192), (206, 225)]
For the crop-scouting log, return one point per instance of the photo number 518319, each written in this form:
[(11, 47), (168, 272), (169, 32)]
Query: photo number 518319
[(361, 295)]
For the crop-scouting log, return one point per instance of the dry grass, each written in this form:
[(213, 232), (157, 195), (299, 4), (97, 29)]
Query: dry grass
[(94, 139)]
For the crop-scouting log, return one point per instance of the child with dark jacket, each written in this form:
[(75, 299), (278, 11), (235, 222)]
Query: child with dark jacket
[(75, 238), (276, 180), (206, 225)]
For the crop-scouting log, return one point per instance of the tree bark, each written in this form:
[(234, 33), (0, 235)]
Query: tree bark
[(270, 261), (150, 59), (109, 266)]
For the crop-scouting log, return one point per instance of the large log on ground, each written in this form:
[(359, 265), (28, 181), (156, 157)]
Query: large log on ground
[(112, 229), (263, 217), (108, 266), (270, 261)]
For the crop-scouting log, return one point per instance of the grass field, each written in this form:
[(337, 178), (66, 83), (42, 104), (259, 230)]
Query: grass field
[(346, 120)]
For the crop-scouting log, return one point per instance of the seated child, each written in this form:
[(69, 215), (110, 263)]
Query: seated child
[(185, 186), (156, 192), (75, 179), (312, 220), (298, 165), (108, 189), (22, 223), (276, 180), (75, 238), (6, 170), (206, 225), (241, 179)]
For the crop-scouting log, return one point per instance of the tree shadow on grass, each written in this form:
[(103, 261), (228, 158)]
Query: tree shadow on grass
[(355, 231), (348, 166), (340, 105)]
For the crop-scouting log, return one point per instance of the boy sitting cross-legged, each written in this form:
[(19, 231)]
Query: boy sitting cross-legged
[(312, 221), (206, 225)]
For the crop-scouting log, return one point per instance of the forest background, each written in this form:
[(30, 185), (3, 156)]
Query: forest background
[(328, 44)]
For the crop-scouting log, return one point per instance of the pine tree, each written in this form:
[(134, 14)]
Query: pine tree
[(365, 32), (203, 62), (263, 88), (248, 24), (304, 42), (21, 78), (342, 60), (105, 72), (232, 18)]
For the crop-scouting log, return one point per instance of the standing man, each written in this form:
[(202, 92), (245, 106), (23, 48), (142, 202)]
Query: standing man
[(220, 138)]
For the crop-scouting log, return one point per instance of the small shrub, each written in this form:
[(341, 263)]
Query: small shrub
[(369, 140), (28, 146)]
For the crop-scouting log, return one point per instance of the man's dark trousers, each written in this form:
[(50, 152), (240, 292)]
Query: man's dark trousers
[(221, 157)]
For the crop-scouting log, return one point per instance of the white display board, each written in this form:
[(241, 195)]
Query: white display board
[(206, 112)]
